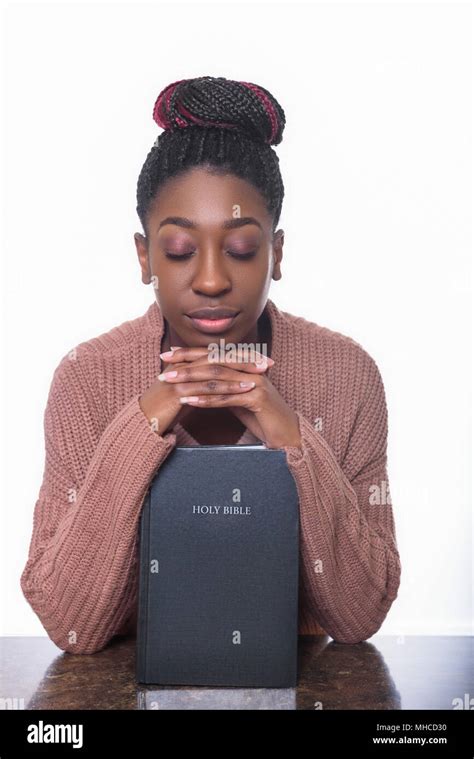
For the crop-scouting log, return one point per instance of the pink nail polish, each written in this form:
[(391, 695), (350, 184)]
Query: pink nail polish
[(264, 361), (169, 354), (167, 375)]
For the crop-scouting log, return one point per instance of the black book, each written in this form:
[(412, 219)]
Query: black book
[(219, 562)]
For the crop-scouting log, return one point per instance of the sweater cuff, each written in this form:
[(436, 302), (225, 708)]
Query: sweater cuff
[(296, 456), (129, 448), (133, 430)]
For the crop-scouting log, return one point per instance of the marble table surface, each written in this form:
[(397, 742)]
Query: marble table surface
[(385, 672)]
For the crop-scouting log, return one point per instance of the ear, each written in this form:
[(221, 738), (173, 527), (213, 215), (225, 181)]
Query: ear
[(278, 239), (142, 253)]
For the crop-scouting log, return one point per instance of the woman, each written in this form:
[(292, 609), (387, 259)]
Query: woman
[(209, 200)]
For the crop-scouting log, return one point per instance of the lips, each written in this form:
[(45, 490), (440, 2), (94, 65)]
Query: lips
[(212, 320), (217, 312)]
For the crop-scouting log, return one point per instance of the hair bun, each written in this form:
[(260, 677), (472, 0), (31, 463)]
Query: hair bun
[(218, 102)]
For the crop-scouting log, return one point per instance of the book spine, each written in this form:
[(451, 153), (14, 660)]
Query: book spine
[(142, 641), (294, 682)]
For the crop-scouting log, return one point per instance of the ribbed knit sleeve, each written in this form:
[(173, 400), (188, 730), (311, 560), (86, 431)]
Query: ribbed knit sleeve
[(81, 576), (351, 565)]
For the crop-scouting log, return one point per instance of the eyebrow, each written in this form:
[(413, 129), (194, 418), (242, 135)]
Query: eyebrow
[(182, 221)]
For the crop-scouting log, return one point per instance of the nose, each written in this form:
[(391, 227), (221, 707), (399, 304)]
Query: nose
[(211, 276)]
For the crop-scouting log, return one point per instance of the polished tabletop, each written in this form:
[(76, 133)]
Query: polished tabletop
[(385, 672)]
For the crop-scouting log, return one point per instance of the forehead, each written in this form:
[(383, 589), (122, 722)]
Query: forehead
[(208, 198)]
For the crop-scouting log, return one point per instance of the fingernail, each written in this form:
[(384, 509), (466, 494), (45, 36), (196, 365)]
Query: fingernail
[(186, 398), (169, 354), (264, 361), (167, 375), (247, 384)]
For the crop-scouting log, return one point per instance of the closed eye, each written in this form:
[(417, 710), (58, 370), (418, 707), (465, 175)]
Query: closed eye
[(250, 254), (177, 255), (244, 256)]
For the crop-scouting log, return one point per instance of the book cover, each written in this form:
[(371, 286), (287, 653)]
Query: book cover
[(219, 562)]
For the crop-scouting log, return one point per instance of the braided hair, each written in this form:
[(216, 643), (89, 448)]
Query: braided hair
[(224, 126)]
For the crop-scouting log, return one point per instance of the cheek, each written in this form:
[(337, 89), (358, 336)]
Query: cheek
[(252, 272), (173, 278)]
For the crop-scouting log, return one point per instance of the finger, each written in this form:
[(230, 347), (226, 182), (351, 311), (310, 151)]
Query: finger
[(185, 354), (214, 387), (205, 371), (244, 363), (218, 401), (204, 354), (242, 355)]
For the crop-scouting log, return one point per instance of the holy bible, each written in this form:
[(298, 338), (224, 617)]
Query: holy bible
[(218, 569)]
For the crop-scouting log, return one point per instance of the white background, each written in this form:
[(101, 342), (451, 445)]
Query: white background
[(376, 161)]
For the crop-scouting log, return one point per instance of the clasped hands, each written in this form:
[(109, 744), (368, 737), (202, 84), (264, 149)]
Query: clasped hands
[(241, 386)]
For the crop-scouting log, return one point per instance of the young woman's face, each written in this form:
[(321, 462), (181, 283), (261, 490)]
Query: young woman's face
[(210, 243)]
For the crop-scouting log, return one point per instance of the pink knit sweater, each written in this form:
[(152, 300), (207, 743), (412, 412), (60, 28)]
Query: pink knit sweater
[(101, 453)]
